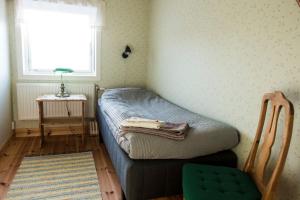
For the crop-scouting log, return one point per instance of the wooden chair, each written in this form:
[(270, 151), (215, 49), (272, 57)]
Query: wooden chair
[(203, 182)]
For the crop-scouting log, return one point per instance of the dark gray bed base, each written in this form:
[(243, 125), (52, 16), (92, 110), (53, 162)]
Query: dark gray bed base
[(145, 179)]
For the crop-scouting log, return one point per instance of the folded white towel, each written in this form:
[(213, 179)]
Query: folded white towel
[(141, 123), (175, 131)]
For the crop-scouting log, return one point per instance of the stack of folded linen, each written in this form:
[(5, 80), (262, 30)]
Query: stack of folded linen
[(175, 131)]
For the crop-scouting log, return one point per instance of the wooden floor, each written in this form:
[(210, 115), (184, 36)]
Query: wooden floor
[(13, 153)]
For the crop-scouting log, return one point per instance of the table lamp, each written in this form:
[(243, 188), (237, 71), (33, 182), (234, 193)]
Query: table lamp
[(61, 71)]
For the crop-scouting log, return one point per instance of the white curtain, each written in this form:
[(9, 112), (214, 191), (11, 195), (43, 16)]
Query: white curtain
[(99, 5)]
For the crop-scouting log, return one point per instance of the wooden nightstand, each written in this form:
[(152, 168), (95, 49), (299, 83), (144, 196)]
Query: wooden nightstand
[(61, 121)]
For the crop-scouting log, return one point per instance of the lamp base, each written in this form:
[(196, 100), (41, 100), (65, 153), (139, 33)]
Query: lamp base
[(62, 94)]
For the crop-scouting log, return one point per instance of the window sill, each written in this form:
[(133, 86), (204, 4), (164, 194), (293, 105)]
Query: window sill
[(54, 77)]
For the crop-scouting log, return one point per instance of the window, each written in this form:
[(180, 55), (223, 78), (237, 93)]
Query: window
[(58, 35)]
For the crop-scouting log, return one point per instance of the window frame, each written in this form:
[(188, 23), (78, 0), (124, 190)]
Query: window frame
[(23, 55)]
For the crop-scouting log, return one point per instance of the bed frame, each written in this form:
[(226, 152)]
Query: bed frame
[(146, 179)]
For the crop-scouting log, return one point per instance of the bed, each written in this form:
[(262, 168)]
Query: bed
[(150, 175)]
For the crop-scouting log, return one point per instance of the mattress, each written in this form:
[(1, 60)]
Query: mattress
[(148, 179), (205, 136)]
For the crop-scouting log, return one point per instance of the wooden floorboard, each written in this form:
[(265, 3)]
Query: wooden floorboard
[(12, 155)]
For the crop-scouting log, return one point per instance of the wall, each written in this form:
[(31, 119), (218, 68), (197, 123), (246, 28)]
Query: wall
[(126, 23), (5, 100), (218, 58)]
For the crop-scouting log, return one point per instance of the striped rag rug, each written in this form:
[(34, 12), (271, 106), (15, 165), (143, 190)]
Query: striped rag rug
[(56, 177)]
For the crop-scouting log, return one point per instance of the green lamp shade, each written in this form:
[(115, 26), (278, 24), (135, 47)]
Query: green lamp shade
[(63, 70)]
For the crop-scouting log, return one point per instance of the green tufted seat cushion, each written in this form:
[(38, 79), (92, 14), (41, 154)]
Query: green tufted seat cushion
[(204, 182)]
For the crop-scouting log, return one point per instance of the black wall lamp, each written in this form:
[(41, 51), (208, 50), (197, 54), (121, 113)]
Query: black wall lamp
[(126, 52)]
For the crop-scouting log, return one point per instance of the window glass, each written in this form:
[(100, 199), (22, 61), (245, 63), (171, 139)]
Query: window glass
[(55, 38)]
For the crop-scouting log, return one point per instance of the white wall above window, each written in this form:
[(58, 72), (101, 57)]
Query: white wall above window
[(57, 35)]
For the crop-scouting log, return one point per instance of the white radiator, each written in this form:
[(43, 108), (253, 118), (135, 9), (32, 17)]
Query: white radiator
[(28, 92)]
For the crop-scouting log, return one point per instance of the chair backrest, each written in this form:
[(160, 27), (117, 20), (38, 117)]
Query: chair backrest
[(257, 167)]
